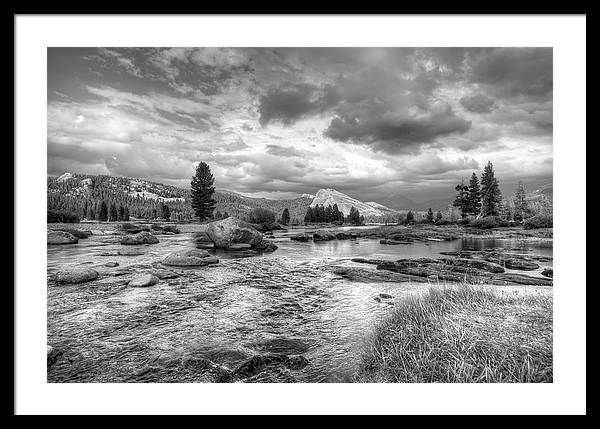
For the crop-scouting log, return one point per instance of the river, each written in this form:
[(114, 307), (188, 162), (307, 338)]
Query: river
[(286, 301)]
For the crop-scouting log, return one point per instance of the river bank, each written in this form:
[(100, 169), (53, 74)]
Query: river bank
[(281, 316)]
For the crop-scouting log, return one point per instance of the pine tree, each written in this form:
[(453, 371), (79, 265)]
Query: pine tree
[(285, 216), (337, 214), (202, 192), (410, 217), (329, 214), (474, 196), (308, 217), (121, 213), (429, 215), (103, 212), (438, 216), (91, 214), (521, 206), (112, 213), (354, 217), (166, 212), (490, 192), (126, 214), (462, 201)]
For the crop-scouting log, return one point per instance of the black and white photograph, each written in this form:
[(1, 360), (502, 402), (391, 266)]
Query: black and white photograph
[(298, 214)]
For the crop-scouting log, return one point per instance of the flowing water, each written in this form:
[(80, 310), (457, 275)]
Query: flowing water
[(287, 301)]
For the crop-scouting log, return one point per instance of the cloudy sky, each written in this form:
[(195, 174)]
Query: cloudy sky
[(279, 122)]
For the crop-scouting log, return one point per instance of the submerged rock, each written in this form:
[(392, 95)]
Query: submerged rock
[(128, 252), (190, 258), (301, 237), (266, 246), (165, 229), (520, 264), (61, 237), (226, 232), (322, 235), (77, 275), (143, 237), (387, 241), (239, 246), (548, 272), (144, 280), (111, 264)]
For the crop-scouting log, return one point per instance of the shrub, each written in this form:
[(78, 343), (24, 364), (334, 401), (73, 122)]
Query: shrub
[(61, 216), (538, 221), (489, 222), (260, 215), (464, 221)]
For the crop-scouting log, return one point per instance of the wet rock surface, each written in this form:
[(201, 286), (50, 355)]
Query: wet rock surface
[(61, 237), (143, 237), (301, 237), (76, 275), (143, 280), (165, 229), (190, 258), (464, 268), (266, 246), (488, 266), (230, 231)]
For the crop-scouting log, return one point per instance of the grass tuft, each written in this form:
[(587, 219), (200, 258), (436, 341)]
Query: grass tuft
[(462, 335)]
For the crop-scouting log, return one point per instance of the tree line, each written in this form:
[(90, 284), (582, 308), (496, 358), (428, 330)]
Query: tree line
[(482, 198)]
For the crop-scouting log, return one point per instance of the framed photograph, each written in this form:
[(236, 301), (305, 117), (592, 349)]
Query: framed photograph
[(300, 214)]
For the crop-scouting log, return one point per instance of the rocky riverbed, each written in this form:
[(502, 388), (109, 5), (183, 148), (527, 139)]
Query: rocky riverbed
[(173, 308)]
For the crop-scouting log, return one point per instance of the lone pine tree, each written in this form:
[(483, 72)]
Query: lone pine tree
[(202, 192)]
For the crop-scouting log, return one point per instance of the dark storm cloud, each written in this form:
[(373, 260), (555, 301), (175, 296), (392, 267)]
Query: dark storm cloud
[(397, 132), (290, 105), (510, 72), (478, 103)]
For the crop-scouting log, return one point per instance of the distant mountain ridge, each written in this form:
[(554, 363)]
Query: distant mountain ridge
[(76, 192), (344, 202)]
